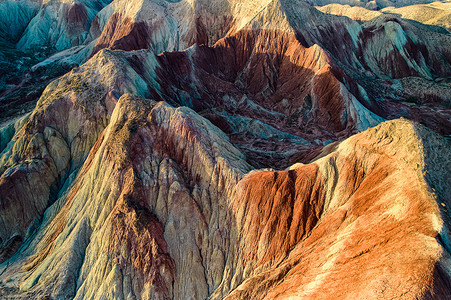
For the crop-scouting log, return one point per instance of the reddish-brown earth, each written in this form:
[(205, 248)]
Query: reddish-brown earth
[(255, 164), (123, 34), (280, 83), (166, 189)]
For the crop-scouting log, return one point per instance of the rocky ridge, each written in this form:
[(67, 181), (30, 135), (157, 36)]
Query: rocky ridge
[(435, 13), (238, 168), (174, 26)]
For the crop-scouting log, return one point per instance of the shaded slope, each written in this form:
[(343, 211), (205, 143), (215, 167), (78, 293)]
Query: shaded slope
[(30, 32), (105, 193), (281, 84), (376, 53), (173, 179), (158, 196)]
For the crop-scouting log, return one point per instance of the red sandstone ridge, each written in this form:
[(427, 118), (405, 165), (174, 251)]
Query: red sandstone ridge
[(230, 150), (402, 63), (162, 199), (291, 92), (347, 222)]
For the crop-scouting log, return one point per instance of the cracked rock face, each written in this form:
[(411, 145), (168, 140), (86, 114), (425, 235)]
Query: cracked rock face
[(228, 150)]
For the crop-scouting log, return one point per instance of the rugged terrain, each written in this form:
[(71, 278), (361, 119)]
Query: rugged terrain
[(224, 150), (436, 13)]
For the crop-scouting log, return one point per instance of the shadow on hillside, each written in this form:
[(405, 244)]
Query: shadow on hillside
[(276, 107)]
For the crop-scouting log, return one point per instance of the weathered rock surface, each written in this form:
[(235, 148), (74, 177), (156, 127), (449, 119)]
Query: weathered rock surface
[(381, 50), (255, 164), (357, 212), (61, 24), (436, 13), (162, 208), (356, 13), (15, 16), (370, 4), (30, 32)]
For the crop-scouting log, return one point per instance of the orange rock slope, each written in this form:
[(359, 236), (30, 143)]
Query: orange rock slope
[(165, 207), (256, 166)]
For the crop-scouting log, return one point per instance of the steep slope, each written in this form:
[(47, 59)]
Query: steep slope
[(161, 208), (135, 25), (289, 89), (375, 53), (30, 32), (242, 167), (289, 69), (336, 214), (401, 67), (15, 16), (45, 156), (169, 26), (60, 24), (269, 80), (41, 29), (170, 129)]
